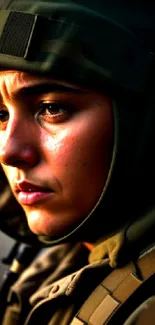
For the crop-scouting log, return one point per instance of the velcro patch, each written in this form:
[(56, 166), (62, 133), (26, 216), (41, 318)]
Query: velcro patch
[(17, 33)]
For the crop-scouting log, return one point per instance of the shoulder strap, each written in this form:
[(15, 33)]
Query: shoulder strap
[(123, 288)]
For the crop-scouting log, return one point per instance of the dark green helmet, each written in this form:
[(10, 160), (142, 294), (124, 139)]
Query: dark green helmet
[(108, 43)]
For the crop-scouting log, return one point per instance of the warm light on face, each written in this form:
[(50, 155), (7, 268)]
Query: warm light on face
[(56, 143)]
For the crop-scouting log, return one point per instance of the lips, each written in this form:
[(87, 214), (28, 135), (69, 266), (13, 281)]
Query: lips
[(28, 187), (29, 194)]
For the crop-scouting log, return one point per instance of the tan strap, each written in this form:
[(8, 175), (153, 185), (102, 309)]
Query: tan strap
[(114, 290)]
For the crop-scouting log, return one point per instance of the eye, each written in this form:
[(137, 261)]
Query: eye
[(4, 115), (55, 112)]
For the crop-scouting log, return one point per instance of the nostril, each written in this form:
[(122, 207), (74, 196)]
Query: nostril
[(18, 157)]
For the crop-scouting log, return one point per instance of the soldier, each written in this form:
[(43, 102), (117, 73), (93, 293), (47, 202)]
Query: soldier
[(77, 168)]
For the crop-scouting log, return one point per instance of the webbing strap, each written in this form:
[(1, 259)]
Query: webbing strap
[(114, 291)]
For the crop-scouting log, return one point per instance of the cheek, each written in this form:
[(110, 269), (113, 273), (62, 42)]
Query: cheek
[(80, 153), (9, 173)]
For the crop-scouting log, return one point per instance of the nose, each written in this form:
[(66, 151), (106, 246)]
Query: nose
[(17, 144)]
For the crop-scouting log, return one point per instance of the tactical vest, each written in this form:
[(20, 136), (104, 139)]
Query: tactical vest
[(120, 293)]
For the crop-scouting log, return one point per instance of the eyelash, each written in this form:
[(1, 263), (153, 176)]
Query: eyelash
[(49, 112), (55, 112)]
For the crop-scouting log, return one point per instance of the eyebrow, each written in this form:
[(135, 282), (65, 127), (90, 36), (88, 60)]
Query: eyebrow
[(43, 88)]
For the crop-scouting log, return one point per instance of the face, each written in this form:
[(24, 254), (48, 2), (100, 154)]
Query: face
[(56, 143)]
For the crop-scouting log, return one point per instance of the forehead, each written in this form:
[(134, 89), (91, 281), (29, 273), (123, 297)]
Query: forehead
[(13, 81), (17, 78)]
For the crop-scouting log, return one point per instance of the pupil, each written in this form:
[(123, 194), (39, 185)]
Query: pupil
[(3, 116)]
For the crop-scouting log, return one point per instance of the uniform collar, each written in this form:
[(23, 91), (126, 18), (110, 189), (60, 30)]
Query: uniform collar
[(129, 243)]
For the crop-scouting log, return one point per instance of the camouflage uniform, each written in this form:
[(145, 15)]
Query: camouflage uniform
[(53, 288)]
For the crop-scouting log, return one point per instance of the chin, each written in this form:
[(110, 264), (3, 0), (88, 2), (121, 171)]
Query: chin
[(44, 224)]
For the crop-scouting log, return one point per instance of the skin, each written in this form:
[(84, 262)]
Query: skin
[(57, 139)]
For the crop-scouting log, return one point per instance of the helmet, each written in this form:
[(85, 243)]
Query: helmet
[(106, 45), (87, 44)]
